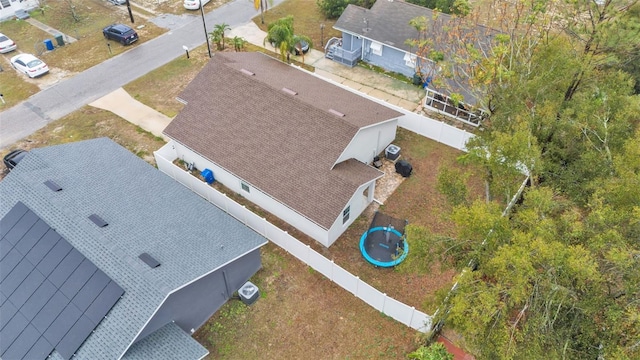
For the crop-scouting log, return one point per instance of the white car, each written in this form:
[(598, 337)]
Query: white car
[(6, 44), (30, 65), (194, 4)]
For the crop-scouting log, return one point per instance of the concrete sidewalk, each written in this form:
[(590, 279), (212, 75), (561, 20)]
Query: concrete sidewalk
[(46, 28)]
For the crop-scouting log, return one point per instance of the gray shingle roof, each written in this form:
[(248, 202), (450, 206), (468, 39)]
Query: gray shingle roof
[(146, 212), (285, 145), (387, 22)]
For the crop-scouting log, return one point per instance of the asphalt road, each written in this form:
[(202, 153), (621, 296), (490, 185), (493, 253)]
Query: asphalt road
[(73, 93)]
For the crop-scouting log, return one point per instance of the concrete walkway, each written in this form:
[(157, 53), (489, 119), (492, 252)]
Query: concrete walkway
[(122, 104), (50, 30)]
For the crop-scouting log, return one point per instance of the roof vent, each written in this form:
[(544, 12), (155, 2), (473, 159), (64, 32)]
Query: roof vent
[(289, 91), (336, 112), (149, 260), (247, 72), (98, 220), (52, 185)]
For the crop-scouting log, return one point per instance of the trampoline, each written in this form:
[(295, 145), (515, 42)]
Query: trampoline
[(383, 244)]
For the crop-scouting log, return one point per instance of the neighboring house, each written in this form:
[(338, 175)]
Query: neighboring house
[(378, 36), (292, 143), (104, 257), (8, 8)]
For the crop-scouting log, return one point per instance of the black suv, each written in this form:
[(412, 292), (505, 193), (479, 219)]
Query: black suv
[(120, 33), (13, 158)]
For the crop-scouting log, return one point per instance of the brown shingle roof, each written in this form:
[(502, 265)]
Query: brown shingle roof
[(282, 144)]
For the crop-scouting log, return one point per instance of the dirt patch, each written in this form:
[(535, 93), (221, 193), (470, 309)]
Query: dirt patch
[(53, 77)]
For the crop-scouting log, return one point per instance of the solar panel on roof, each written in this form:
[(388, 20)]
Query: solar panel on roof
[(37, 301), (22, 344), (11, 218), (75, 337), (52, 297), (35, 233), (21, 227)]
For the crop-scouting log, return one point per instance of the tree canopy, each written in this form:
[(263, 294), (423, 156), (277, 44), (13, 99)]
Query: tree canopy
[(558, 276), (281, 35)]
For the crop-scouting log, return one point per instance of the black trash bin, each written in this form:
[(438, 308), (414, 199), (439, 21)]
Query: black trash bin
[(59, 40), (404, 168)]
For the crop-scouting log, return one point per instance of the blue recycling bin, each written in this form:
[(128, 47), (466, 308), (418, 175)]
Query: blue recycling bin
[(49, 44), (207, 174)]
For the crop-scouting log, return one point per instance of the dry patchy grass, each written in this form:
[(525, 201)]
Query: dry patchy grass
[(301, 314), (91, 47), (13, 85), (168, 81), (90, 123)]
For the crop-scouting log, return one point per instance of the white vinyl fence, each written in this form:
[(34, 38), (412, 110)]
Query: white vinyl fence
[(405, 314), (435, 130), (419, 124)]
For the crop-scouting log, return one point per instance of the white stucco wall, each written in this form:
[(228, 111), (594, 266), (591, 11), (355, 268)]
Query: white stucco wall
[(358, 203), (370, 141), (256, 196)]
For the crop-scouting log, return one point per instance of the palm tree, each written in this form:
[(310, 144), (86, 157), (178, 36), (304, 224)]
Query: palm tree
[(238, 43), (220, 29), (262, 5), (216, 38), (280, 34)]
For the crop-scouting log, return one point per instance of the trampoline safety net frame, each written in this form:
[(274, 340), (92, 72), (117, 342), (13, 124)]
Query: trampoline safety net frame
[(383, 244)]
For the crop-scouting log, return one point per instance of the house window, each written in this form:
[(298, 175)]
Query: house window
[(376, 48), (245, 186), (345, 214), (410, 60)]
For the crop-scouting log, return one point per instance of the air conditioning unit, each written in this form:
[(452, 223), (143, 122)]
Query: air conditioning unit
[(249, 293), (392, 152)]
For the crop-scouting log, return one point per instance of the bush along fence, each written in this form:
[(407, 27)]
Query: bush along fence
[(399, 311)]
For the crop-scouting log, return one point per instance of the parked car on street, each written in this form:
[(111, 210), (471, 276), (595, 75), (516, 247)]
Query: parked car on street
[(121, 33), (13, 158), (29, 64), (302, 45), (6, 44), (194, 4)]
